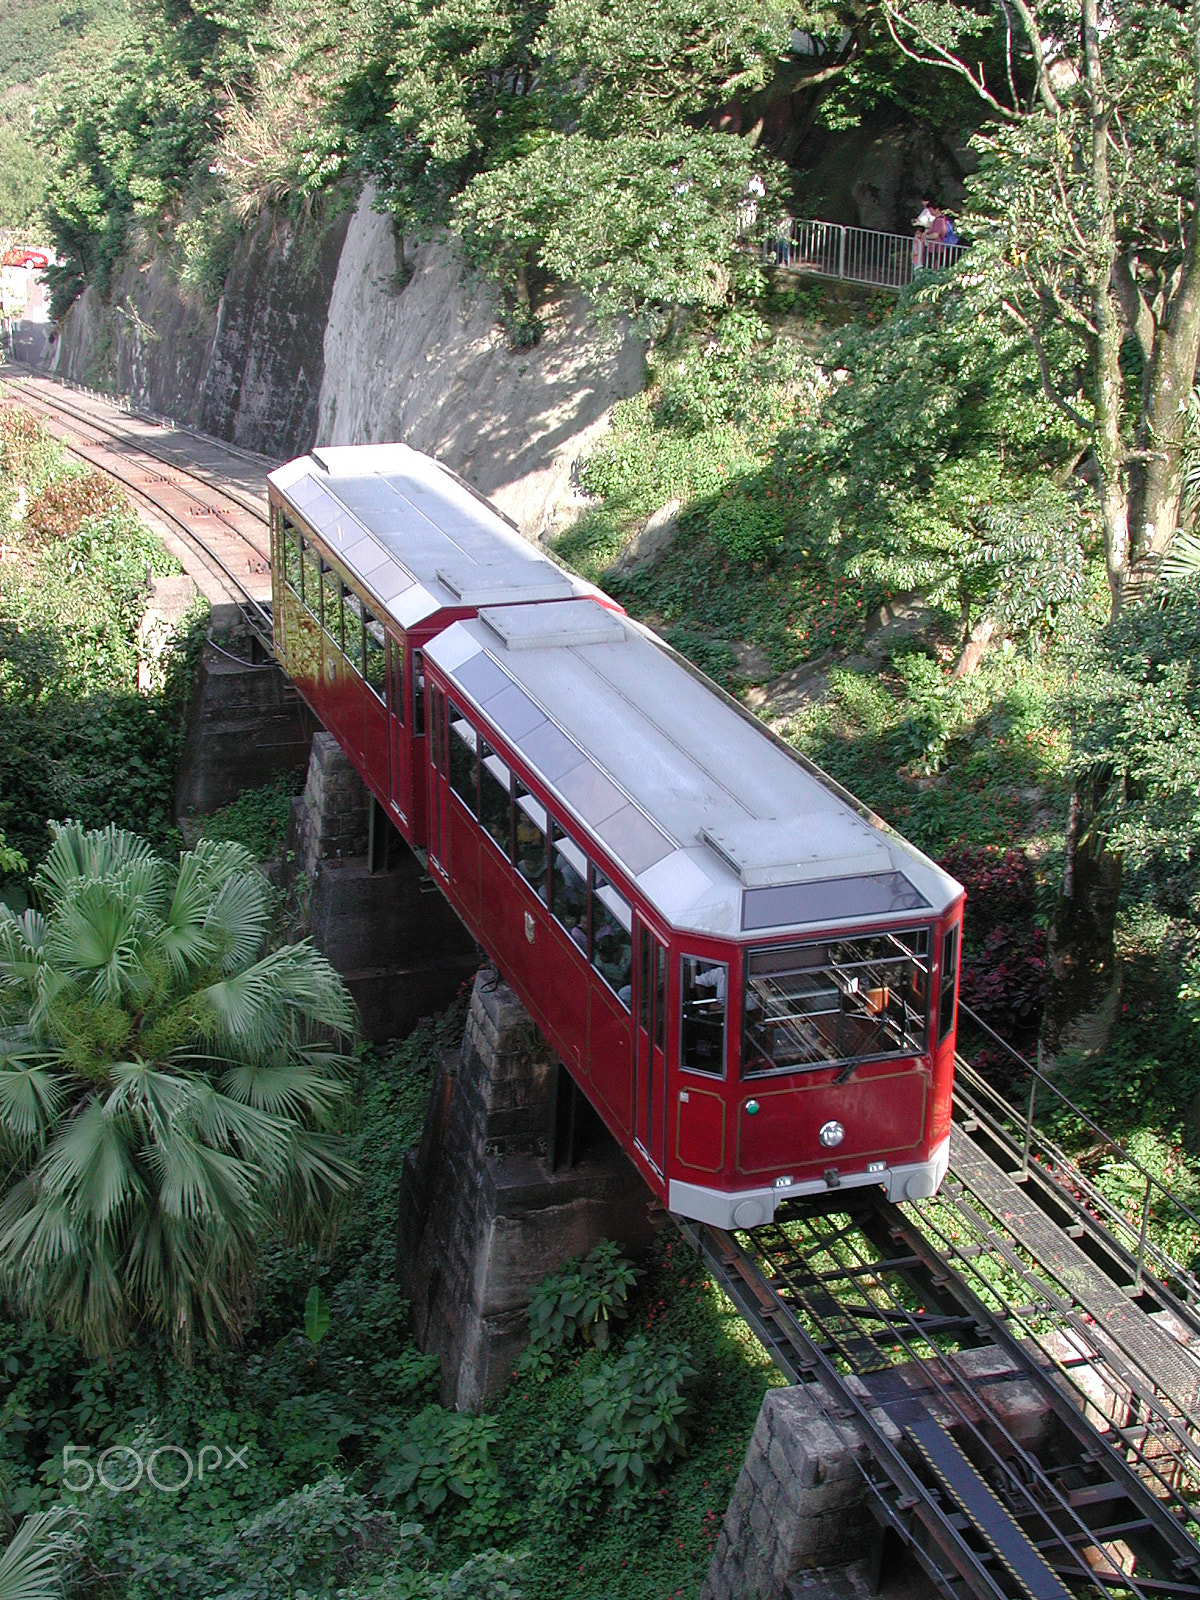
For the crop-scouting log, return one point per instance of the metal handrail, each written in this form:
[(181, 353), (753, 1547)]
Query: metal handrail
[(1146, 1246), (835, 250)]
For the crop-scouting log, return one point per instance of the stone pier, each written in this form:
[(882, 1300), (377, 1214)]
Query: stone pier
[(799, 1525), (246, 723), (483, 1215), (384, 926)]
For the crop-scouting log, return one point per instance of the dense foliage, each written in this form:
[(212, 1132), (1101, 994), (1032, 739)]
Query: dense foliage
[(78, 737)]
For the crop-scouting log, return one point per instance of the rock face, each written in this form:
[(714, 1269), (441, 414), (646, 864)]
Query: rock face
[(248, 370), (429, 364)]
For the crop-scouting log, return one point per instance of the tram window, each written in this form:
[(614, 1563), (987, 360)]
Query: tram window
[(310, 567), (374, 652), (331, 602), (568, 885), (464, 775), (836, 1002), (352, 636), (703, 1004), (396, 649), (418, 677), (946, 1005), (529, 816), (612, 937), (495, 797), (660, 997), (291, 556)]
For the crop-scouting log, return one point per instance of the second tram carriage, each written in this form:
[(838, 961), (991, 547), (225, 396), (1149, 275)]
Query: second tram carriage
[(749, 976)]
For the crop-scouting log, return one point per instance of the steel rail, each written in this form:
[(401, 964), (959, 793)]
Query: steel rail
[(257, 614), (1089, 1336), (802, 1359), (1069, 1413), (948, 1386), (122, 402), (772, 1276)]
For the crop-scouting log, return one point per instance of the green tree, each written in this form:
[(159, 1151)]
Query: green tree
[(1085, 211), (937, 465), (31, 1567), (168, 1089)]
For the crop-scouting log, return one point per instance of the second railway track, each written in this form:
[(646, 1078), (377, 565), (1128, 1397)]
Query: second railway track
[(224, 528)]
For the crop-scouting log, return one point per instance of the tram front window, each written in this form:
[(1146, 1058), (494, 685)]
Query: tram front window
[(836, 1002), (704, 997)]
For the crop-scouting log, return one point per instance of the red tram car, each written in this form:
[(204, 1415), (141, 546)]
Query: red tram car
[(374, 549), (751, 978), (752, 981)]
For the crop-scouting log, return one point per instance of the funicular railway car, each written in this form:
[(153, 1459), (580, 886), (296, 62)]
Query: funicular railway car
[(751, 978), (374, 550)]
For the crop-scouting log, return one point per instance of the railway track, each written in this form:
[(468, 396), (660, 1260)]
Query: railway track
[(914, 1325), (220, 532)]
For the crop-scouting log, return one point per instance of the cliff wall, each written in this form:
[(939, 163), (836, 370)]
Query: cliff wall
[(327, 335), (428, 363), (247, 370)]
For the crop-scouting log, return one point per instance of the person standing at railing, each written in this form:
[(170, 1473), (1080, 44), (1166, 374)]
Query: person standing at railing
[(747, 214), (931, 225)]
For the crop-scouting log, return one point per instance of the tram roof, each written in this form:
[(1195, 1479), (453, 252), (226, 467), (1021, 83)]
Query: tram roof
[(414, 535), (723, 830)]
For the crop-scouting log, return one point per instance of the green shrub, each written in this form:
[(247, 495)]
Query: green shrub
[(443, 1460), (258, 818), (579, 1301), (636, 1410)]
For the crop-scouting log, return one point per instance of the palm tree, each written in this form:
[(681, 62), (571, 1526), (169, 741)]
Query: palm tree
[(31, 1566), (168, 1091)]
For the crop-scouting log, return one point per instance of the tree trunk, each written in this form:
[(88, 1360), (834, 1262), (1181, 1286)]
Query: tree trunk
[(973, 651), (1083, 981)]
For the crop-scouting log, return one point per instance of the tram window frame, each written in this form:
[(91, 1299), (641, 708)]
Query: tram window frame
[(527, 806), (562, 844), (418, 694), (458, 741), (352, 629), (310, 572), (495, 814), (374, 654), (949, 983), (331, 591), (602, 891), (397, 648), (835, 989), (292, 559), (692, 968)]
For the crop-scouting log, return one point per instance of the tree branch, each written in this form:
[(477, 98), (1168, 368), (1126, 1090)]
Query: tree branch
[(1052, 393), (943, 58), (1038, 49), (1135, 308)]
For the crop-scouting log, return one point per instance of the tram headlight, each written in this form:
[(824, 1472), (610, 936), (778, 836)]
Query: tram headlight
[(831, 1135)]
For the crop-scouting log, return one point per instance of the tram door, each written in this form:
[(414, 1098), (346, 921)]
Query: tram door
[(397, 743), (649, 1046)]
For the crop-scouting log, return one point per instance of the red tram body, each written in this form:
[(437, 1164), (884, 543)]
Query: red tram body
[(751, 979)]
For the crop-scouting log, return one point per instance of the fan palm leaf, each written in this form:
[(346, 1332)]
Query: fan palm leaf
[(31, 1568), (169, 1087)]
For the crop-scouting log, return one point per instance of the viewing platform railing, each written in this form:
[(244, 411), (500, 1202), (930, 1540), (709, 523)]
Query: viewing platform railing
[(855, 255)]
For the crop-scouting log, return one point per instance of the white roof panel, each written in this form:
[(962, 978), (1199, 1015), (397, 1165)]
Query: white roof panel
[(391, 513), (724, 829)]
